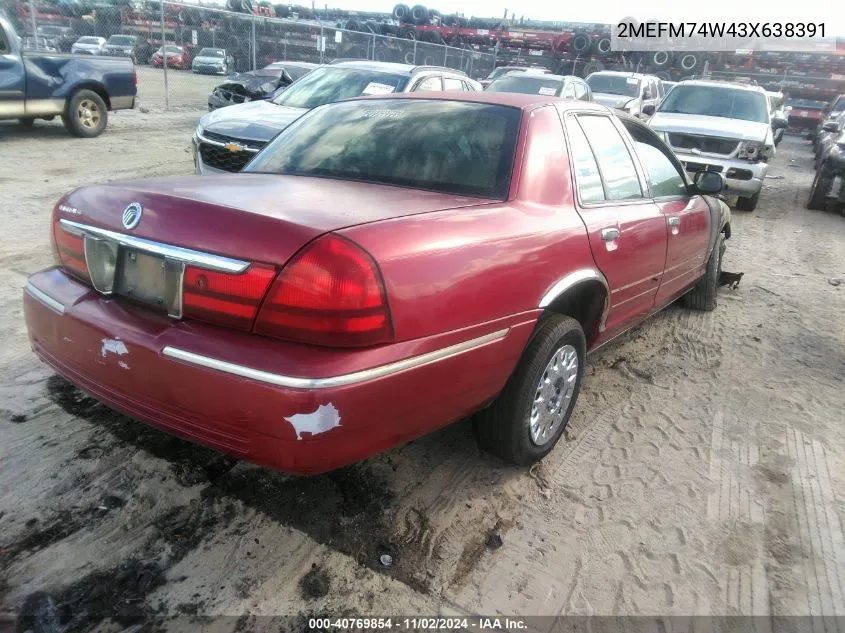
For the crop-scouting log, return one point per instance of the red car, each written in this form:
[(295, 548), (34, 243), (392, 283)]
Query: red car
[(384, 267), (177, 57)]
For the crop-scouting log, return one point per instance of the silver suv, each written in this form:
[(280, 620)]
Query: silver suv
[(721, 127), (227, 138)]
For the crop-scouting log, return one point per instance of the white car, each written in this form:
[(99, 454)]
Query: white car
[(633, 93), (89, 45)]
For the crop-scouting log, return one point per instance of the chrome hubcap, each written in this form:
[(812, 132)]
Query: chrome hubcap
[(553, 394), (88, 113)]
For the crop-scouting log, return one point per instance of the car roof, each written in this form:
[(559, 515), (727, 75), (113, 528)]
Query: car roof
[(546, 76), (391, 67), (620, 73), (722, 84), (510, 99), (285, 64)]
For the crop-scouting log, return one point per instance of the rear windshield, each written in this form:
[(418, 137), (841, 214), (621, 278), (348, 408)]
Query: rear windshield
[(716, 101), (122, 40), (89, 40), (327, 85), (448, 146), (526, 84)]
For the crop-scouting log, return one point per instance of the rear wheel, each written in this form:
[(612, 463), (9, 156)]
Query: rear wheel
[(820, 189), (86, 114), (528, 418), (748, 204), (703, 295)]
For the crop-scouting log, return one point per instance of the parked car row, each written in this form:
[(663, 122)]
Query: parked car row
[(712, 126), (828, 188)]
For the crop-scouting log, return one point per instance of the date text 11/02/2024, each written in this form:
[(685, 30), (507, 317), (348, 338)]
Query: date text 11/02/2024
[(475, 623)]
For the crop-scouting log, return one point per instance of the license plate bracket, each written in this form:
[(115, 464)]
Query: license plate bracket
[(151, 279)]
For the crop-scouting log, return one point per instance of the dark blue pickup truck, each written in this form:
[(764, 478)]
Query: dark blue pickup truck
[(80, 89)]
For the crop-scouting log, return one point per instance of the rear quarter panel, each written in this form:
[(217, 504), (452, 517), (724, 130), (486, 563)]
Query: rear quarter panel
[(461, 268)]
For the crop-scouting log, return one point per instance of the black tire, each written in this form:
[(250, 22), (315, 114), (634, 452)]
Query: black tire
[(820, 190), (504, 428), (78, 122), (592, 67), (661, 59), (703, 294), (688, 62), (748, 204), (580, 44), (402, 12), (409, 33), (27, 122), (601, 46), (419, 14)]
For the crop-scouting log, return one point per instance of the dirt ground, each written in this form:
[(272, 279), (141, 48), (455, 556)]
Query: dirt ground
[(703, 474)]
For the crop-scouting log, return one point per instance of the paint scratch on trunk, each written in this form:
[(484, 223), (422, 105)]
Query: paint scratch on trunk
[(113, 346), (325, 418)]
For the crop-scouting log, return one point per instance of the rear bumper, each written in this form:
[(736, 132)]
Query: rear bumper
[(123, 103), (295, 408)]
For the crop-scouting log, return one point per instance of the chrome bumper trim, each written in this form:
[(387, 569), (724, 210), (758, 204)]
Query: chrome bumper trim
[(334, 381), (203, 139), (186, 255), (44, 298)]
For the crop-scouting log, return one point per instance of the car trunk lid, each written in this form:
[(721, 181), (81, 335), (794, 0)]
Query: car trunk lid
[(209, 248), (260, 217)]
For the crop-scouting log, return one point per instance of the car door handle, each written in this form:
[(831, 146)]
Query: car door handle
[(609, 234), (674, 225)]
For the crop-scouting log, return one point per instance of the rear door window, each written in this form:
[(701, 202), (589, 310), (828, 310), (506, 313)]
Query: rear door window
[(618, 172), (587, 176), (450, 83)]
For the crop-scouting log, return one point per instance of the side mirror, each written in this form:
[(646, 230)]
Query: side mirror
[(831, 126), (710, 183), (779, 123), (649, 109)]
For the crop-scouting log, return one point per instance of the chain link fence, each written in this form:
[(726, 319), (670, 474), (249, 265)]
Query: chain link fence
[(166, 38)]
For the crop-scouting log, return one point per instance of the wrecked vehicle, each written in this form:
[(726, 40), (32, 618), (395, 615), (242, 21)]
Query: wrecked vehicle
[(80, 89), (256, 85), (384, 267), (721, 127)]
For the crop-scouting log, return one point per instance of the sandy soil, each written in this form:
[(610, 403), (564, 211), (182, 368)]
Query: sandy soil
[(704, 471)]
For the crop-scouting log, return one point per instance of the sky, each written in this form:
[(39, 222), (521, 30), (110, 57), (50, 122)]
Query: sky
[(612, 11)]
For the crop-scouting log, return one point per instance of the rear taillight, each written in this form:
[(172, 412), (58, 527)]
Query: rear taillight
[(225, 299), (69, 252), (330, 294)]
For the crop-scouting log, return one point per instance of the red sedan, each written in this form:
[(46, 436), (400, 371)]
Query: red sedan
[(384, 267), (177, 57)]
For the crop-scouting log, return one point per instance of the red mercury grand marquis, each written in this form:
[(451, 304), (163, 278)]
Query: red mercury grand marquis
[(384, 267)]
